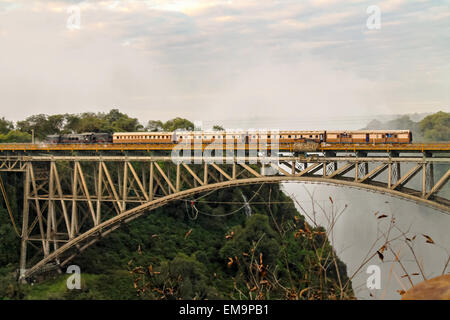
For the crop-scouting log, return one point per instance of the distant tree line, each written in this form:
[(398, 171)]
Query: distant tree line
[(113, 121)]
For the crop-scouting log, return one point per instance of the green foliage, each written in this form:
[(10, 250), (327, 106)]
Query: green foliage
[(257, 233), (15, 136), (178, 123), (9, 287), (42, 125), (114, 121), (170, 125), (154, 125), (5, 126), (436, 127)]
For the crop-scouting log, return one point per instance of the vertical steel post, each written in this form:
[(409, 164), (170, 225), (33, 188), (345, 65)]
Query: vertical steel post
[(177, 187), (125, 185), (25, 214), (99, 191), (389, 174), (74, 222), (424, 179), (150, 183)]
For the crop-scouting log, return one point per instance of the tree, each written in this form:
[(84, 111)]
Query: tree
[(154, 126), (42, 125), (5, 126), (436, 127), (178, 123), (257, 230), (122, 122), (15, 136), (114, 121)]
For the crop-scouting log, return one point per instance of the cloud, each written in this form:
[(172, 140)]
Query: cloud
[(223, 59)]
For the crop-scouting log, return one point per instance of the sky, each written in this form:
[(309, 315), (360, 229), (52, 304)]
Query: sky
[(224, 60)]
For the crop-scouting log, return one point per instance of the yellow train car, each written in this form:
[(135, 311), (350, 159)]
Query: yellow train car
[(143, 137)]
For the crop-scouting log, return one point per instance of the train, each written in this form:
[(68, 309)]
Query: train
[(246, 137)]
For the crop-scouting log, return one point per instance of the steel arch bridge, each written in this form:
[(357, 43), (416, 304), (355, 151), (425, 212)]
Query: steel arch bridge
[(70, 202)]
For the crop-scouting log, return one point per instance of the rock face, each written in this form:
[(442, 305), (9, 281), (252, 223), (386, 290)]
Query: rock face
[(434, 289)]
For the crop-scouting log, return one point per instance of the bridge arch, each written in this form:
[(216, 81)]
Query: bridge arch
[(84, 240)]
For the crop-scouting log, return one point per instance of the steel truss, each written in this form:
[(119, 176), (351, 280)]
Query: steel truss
[(70, 202)]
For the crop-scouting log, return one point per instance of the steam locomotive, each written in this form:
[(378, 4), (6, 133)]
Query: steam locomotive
[(80, 138)]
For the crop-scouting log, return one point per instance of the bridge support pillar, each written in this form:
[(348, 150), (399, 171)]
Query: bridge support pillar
[(25, 215)]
